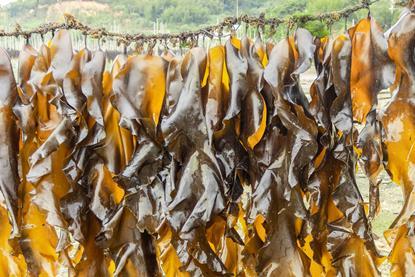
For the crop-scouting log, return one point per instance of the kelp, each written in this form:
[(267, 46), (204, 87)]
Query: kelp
[(371, 71), (277, 190), (397, 131), (339, 223), (214, 162)]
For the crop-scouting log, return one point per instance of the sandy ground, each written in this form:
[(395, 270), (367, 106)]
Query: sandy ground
[(390, 194)]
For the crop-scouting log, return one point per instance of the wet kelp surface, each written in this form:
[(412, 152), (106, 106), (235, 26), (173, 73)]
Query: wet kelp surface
[(210, 163)]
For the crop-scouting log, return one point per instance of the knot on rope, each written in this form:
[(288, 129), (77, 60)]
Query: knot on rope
[(71, 21), (18, 28), (366, 3)]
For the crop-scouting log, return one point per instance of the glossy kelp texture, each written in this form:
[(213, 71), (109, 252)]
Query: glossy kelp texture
[(211, 163), (398, 129)]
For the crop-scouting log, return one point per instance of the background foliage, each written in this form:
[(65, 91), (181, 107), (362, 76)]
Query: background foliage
[(150, 16)]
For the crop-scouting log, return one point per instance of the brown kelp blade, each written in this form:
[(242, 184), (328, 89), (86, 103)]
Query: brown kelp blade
[(9, 146), (398, 129)]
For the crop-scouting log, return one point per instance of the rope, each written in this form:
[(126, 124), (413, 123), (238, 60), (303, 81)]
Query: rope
[(71, 23), (404, 3)]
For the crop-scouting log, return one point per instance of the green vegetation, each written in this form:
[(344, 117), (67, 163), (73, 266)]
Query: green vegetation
[(177, 15)]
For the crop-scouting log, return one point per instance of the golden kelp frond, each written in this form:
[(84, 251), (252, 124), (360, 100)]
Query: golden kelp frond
[(11, 258), (398, 126), (371, 69), (253, 116), (139, 89), (339, 223), (370, 50), (42, 159), (217, 90), (119, 144)]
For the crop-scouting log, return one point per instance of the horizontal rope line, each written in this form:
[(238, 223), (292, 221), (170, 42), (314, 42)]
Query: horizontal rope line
[(71, 23)]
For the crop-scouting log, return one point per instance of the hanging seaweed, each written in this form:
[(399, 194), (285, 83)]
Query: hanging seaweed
[(210, 162)]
